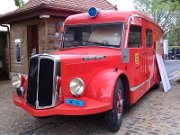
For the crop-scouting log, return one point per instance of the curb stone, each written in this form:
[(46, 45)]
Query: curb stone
[(175, 76)]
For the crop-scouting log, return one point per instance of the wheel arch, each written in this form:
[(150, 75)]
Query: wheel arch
[(102, 86), (126, 92)]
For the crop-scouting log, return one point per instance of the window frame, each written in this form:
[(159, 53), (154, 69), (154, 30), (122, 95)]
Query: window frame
[(141, 33), (151, 39), (94, 24)]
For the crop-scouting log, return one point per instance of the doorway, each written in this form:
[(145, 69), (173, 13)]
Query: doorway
[(32, 40), (3, 56), (137, 62)]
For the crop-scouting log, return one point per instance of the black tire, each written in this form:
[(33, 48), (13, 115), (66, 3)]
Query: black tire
[(156, 85), (113, 118)]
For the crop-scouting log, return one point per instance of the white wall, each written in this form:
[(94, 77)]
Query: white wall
[(165, 45)]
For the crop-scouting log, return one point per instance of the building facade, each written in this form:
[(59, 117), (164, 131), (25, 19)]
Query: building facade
[(35, 28)]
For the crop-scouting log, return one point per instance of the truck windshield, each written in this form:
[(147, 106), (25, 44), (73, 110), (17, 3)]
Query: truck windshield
[(108, 35)]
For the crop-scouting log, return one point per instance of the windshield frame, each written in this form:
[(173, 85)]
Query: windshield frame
[(95, 24)]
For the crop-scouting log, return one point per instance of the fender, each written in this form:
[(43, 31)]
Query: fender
[(24, 84), (101, 87)]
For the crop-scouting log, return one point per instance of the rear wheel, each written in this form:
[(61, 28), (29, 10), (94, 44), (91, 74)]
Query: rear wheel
[(157, 84), (113, 118)]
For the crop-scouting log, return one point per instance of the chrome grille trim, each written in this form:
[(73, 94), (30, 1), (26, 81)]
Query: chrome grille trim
[(56, 72)]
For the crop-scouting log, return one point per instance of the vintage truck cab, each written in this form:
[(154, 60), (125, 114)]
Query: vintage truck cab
[(105, 64)]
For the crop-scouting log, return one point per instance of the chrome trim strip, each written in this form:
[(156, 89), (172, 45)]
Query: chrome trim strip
[(28, 80), (151, 21), (106, 23), (138, 86), (127, 32), (129, 24), (37, 94)]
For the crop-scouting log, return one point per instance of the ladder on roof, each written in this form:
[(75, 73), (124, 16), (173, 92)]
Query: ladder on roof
[(163, 73)]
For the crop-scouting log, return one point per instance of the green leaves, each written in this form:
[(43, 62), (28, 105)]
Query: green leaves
[(164, 12), (173, 35), (19, 3), (174, 4)]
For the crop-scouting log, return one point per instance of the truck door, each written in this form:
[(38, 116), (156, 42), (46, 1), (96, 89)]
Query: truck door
[(150, 53), (136, 65)]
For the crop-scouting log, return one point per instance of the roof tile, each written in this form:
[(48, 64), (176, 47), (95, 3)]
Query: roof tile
[(77, 5)]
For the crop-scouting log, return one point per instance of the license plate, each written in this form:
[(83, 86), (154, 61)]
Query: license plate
[(74, 102)]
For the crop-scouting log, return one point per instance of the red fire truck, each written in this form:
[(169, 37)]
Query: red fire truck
[(106, 63)]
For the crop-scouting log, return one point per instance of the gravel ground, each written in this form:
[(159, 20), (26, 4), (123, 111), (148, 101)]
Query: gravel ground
[(157, 113)]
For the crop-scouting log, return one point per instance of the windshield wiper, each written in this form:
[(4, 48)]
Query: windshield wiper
[(102, 44), (90, 43)]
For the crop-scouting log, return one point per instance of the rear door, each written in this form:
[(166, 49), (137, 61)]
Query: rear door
[(136, 66), (149, 51)]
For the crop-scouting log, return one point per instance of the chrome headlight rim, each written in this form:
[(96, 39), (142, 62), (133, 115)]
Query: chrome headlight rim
[(78, 92), (16, 80)]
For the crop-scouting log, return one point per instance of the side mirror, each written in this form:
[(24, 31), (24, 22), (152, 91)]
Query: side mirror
[(125, 56)]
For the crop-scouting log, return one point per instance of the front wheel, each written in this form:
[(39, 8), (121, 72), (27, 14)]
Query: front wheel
[(113, 118)]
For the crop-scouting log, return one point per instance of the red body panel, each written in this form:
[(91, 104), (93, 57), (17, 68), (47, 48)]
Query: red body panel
[(91, 107), (100, 75)]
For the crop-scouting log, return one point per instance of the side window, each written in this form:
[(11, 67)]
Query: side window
[(148, 38), (134, 37)]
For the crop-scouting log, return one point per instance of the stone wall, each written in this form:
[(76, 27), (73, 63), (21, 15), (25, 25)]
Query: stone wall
[(54, 34), (42, 37), (48, 42), (18, 31)]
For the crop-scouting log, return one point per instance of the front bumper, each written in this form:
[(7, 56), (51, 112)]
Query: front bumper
[(91, 107)]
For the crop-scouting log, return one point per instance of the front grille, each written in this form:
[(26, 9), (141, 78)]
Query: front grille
[(32, 82), (45, 82), (41, 88)]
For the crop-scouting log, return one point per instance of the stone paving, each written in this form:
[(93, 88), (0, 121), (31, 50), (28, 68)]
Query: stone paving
[(157, 113)]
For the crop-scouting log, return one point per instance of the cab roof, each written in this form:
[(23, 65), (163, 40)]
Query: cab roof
[(106, 17)]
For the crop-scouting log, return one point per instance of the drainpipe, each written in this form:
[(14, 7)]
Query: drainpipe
[(3, 25)]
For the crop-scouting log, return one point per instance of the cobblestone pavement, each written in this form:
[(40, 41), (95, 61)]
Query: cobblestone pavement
[(157, 113)]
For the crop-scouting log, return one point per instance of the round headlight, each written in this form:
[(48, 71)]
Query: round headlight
[(16, 80), (76, 86)]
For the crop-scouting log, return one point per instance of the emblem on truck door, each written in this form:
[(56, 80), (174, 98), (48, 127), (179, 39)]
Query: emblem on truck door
[(136, 57)]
